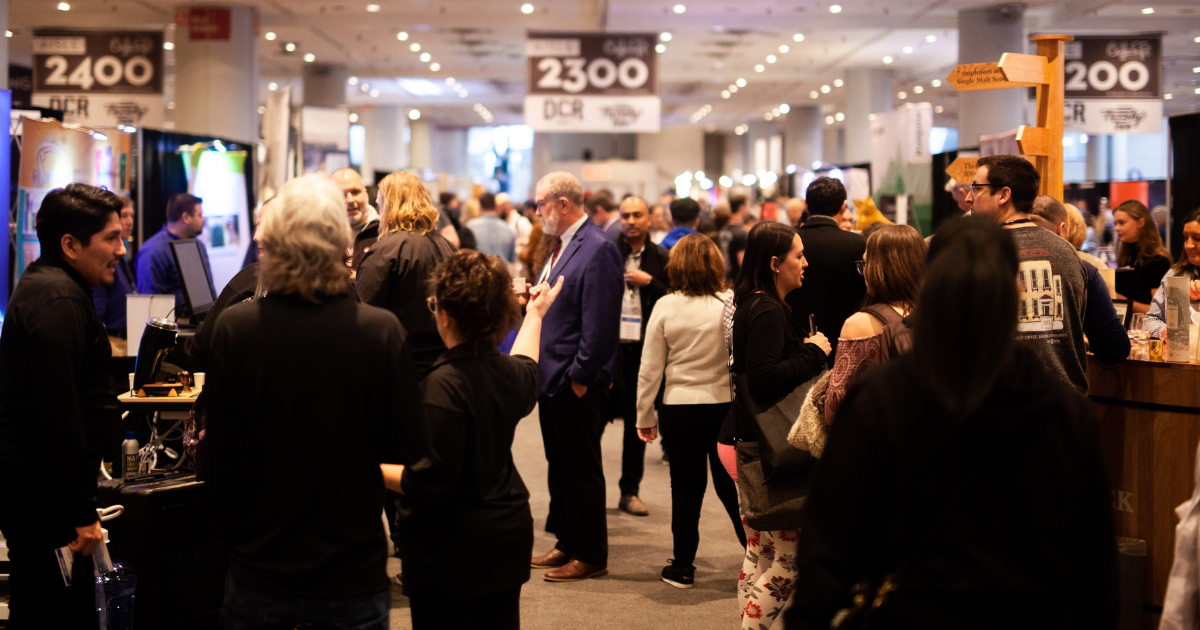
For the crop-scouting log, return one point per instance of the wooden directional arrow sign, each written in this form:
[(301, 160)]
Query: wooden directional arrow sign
[(970, 77), (1031, 69), (1033, 140), (962, 170)]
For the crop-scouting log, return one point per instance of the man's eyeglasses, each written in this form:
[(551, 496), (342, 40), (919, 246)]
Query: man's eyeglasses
[(861, 265), (976, 187), (431, 302)]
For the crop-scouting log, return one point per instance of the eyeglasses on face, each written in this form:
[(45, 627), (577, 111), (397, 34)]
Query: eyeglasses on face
[(976, 187), (861, 265), (431, 302)]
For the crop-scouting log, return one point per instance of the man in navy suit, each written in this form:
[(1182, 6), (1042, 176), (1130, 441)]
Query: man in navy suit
[(578, 363)]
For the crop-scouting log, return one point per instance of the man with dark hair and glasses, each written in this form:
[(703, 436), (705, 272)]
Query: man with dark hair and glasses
[(56, 397), (1053, 284)]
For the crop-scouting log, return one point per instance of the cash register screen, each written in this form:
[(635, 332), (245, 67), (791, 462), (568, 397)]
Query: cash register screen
[(193, 273)]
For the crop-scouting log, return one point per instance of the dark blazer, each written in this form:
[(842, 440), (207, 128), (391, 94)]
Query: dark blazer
[(614, 231), (580, 332), (833, 289), (654, 262)]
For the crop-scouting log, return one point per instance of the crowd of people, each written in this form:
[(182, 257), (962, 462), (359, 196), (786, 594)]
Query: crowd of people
[(961, 485)]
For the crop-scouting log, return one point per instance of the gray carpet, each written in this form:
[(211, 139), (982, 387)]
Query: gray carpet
[(632, 595)]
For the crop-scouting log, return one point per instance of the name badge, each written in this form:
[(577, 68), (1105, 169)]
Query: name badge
[(631, 327)]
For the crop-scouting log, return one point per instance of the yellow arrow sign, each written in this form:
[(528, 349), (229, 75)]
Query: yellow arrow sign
[(962, 170), (1033, 140), (970, 77), (1019, 68)]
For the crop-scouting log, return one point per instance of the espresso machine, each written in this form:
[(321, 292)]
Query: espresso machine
[(158, 340)]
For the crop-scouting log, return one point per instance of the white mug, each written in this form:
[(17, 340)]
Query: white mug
[(198, 379)]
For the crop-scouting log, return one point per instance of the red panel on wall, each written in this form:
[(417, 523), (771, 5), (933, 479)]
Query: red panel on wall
[(208, 23)]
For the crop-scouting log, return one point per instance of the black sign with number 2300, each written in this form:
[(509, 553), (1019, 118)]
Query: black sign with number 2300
[(592, 64)]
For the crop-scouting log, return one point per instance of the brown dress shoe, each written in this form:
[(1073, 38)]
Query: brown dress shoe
[(552, 560), (632, 504), (575, 571)]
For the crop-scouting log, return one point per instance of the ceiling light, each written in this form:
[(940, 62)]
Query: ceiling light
[(679, 8), (526, 8), (270, 36), (435, 66), (783, 48), (462, 94), (272, 86), (660, 48), (825, 89), (739, 130), (425, 57), (1197, 90), (289, 47), (1083, 138), (748, 179), (798, 37), (725, 181), (166, 45), (1168, 96), (918, 89), (939, 109), (8, 33), (829, 120), (902, 95), (838, 83), (309, 57), (374, 93), (741, 83), (353, 117), (929, 39), (835, 8), (450, 81), (767, 116), (776, 112), (1196, 70), (758, 67), (785, 108), (414, 114), (352, 80), (372, 8), (665, 36), (907, 50), (888, 59), (1147, 10), (63, 6), (402, 35), (415, 47), (261, 110), (1197, 40), (772, 59), (936, 83), (839, 117), (364, 87), (725, 94), (813, 94)]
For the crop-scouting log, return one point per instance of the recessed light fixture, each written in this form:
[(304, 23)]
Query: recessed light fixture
[(171, 105), (838, 83), (798, 37), (929, 39), (733, 88), (828, 121), (776, 112), (679, 8), (660, 48), (741, 83), (270, 36), (767, 116), (309, 57), (289, 47), (352, 80), (939, 109), (908, 50), (1168, 96), (888, 59), (8, 33), (918, 89), (785, 108), (415, 47), (825, 89), (902, 95), (835, 8), (425, 57), (783, 48), (63, 6), (839, 117), (1197, 90), (402, 36), (261, 110), (1197, 40), (414, 114), (1196, 70), (665, 36), (772, 59), (726, 94), (272, 86), (374, 93), (1148, 11), (526, 8), (353, 117), (936, 83), (758, 67), (166, 45), (813, 95), (373, 8), (364, 87), (462, 94), (435, 66)]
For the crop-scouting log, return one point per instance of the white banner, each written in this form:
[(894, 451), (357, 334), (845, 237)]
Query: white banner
[(1106, 116), (105, 110), (612, 114)]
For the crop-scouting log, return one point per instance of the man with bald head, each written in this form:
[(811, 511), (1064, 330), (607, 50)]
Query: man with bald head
[(578, 364), (364, 219)]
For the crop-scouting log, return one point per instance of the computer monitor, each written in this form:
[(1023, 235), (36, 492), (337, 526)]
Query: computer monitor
[(194, 276)]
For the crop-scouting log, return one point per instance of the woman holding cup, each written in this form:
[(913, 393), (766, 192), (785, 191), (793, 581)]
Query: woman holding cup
[(1187, 266)]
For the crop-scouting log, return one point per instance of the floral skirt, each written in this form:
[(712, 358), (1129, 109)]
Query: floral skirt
[(768, 575)]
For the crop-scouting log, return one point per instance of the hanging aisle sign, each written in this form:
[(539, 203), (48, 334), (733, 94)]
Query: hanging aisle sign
[(1113, 84), (100, 78), (594, 82)]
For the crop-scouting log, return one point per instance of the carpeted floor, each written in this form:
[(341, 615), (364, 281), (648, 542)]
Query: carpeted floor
[(632, 595)]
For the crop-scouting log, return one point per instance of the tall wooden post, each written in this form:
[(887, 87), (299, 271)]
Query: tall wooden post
[(1050, 112)]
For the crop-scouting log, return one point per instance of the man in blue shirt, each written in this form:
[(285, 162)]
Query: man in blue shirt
[(492, 235), (110, 300), (156, 272), (685, 213)]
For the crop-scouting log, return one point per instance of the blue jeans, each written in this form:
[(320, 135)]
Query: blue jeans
[(245, 609)]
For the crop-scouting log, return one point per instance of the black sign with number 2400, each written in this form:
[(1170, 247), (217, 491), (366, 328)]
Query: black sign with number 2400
[(122, 62)]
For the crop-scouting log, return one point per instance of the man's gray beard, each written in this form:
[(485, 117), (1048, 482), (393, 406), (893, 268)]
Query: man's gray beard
[(550, 225)]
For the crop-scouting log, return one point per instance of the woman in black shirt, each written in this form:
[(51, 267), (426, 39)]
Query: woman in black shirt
[(394, 273), (1142, 249), (465, 490), (771, 360)]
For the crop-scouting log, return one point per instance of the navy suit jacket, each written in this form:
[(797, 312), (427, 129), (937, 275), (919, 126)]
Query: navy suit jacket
[(580, 332)]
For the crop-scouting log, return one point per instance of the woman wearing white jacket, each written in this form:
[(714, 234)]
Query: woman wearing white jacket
[(684, 341)]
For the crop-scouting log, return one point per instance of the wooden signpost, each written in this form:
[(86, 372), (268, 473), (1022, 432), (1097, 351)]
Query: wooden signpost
[(1044, 71)]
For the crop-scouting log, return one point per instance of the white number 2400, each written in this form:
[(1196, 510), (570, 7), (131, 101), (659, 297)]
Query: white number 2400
[(107, 71)]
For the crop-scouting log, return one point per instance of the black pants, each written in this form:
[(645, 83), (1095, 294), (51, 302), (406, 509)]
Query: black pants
[(693, 430), (633, 449), (500, 611), (571, 428), (39, 600)]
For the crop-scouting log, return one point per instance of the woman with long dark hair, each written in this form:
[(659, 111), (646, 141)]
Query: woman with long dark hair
[(771, 359), (1141, 249), (1188, 266), (962, 485)]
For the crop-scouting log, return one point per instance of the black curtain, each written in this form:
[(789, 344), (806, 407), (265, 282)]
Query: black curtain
[(1185, 169), (163, 175), (944, 205)]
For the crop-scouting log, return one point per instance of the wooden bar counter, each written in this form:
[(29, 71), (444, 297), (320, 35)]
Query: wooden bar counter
[(1149, 427)]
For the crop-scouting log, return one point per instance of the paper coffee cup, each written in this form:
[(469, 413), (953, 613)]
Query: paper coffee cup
[(519, 285), (198, 379)]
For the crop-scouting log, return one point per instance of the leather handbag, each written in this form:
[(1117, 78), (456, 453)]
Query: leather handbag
[(780, 460)]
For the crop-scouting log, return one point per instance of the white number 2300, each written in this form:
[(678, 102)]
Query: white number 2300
[(600, 73)]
